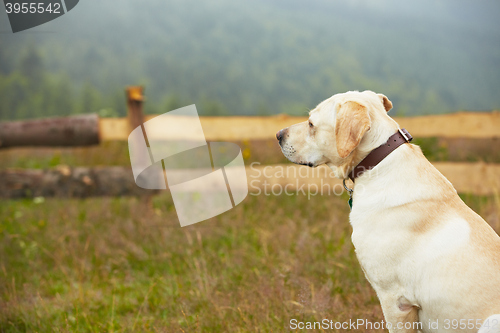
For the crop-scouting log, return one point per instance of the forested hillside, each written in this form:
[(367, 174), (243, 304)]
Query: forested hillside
[(253, 57)]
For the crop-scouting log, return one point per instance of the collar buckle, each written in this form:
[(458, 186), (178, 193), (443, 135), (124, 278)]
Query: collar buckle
[(407, 136)]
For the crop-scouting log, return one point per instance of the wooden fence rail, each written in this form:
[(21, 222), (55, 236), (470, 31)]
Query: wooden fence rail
[(79, 182), (456, 125), (81, 130), (90, 129)]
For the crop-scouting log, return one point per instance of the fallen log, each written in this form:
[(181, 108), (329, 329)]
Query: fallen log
[(82, 130), (68, 182)]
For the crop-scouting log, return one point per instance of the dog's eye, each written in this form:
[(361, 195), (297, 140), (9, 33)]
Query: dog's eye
[(311, 125)]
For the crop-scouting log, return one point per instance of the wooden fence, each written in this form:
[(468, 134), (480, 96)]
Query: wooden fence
[(477, 178)]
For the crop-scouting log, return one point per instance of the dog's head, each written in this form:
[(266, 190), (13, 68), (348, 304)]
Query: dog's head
[(340, 131)]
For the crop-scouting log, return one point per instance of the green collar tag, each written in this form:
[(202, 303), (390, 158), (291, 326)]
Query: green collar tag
[(350, 191)]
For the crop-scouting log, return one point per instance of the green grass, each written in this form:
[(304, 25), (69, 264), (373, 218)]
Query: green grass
[(125, 265)]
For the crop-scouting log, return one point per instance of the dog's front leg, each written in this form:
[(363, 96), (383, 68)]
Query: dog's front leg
[(400, 315)]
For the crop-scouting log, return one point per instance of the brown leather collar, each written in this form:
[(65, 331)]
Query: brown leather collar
[(378, 154)]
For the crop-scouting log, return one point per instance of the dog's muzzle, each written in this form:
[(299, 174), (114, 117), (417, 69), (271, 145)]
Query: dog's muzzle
[(280, 135)]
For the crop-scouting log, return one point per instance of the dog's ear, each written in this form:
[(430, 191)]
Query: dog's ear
[(352, 123), (386, 102)]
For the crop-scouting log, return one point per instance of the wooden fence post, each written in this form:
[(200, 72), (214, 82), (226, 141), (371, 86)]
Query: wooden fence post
[(135, 99)]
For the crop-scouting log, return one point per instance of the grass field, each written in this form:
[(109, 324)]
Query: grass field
[(125, 265)]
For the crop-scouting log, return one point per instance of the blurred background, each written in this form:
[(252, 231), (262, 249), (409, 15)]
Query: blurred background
[(83, 249), (253, 58)]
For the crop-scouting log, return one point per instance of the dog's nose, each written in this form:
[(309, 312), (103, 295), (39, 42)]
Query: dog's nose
[(279, 135)]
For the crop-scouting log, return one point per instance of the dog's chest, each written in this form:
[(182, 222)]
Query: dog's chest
[(380, 254), (393, 255)]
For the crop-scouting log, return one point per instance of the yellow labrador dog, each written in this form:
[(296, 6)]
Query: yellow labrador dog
[(433, 262)]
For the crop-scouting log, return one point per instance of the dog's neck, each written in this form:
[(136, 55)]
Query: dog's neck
[(378, 154), (392, 182)]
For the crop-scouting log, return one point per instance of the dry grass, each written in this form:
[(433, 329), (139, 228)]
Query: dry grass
[(125, 265)]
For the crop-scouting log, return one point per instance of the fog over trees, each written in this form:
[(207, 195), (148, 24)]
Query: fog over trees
[(259, 57)]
